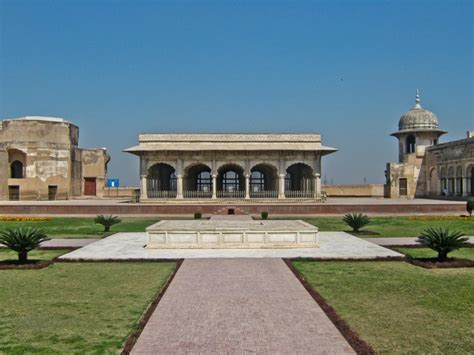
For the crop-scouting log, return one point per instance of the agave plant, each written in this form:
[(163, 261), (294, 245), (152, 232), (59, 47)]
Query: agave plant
[(107, 221), (22, 240), (442, 241), (356, 221)]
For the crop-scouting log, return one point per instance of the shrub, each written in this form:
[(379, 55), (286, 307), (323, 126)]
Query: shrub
[(197, 215), (470, 207), (356, 221), (442, 241), (264, 215), (22, 240), (107, 221)]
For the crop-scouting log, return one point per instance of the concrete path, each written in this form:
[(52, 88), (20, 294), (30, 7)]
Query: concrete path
[(68, 243), (122, 246), (238, 306), (401, 241)]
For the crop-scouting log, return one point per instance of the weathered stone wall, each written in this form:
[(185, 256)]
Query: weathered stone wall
[(363, 190), (94, 164)]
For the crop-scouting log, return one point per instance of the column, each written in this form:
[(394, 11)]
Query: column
[(317, 185), (464, 186), (143, 187), (179, 186), (214, 186), (281, 186), (247, 186)]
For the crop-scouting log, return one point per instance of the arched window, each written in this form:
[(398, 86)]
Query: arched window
[(230, 181), (257, 181), (204, 181), (16, 170), (411, 144)]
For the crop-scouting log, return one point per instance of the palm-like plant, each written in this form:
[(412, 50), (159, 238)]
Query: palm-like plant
[(107, 221), (442, 241), (356, 221), (22, 240)]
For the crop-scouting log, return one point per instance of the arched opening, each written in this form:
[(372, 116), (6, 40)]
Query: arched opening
[(299, 181), (471, 180), (16, 170), (230, 181), (198, 181), (161, 181), (451, 183), (411, 144), (433, 183), (263, 181), (443, 185), (459, 187)]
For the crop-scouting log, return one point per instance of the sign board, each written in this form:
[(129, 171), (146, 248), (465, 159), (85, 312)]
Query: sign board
[(113, 182)]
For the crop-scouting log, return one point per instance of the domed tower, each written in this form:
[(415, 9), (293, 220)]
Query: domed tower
[(417, 129)]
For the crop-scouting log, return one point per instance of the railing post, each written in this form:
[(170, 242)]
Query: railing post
[(214, 186), (143, 187), (179, 186), (281, 186), (317, 186)]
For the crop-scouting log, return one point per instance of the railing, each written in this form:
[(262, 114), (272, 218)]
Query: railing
[(197, 194), (161, 194), (299, 194), (231, 194), (264, 194)]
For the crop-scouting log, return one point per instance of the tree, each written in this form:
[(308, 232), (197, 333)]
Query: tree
[(22, 240), (356, 221), (442, 241), (107, 221)]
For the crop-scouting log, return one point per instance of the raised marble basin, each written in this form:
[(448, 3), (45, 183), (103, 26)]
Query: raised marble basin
[(232, 234)]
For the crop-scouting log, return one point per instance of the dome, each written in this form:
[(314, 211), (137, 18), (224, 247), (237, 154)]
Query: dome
[(418, 118)]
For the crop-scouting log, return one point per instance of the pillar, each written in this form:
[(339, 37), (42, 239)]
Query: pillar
[(281, 186), (143, 187), (214, 186), (465, 191), (317, 186), (247, 186), (179, 186)]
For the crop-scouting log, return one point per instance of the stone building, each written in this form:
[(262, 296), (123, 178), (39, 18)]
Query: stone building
[(40, 160), (230, 166), (425, 167)]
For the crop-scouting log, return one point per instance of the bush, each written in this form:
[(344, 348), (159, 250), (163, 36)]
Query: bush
[(442, 241), (22, 240), (107, 221), (197, 215), (356, 221), (470, 207), (264, 215)]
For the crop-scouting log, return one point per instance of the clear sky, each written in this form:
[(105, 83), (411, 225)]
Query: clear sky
[(346, 69)]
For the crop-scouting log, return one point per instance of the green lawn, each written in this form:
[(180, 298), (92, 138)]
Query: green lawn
[(38, 254), (463, 253), (63, 227), (398, 307), (393, 226), (76, 307)]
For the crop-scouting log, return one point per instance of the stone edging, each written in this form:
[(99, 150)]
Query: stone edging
[(359, 345)]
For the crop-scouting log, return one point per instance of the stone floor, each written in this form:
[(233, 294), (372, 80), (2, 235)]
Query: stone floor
[(401, 241), (122, 246), (238, 306)]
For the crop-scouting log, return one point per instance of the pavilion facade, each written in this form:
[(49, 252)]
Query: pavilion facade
[(230, 166)]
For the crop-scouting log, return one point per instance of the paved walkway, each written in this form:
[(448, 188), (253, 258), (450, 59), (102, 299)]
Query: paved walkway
[(68, 243), (237, 306), (122, 246), (400, 241)]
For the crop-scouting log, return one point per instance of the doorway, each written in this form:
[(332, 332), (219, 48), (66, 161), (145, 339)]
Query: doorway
[(403, 185), (14, 193), (52, 192), (90, 186)]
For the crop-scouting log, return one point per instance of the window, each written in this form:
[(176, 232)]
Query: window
[(257, 181), (16, 170), (411, 144), (230, 181), (204, 181)]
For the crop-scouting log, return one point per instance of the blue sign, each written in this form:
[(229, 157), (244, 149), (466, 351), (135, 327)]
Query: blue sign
[(113, 182)]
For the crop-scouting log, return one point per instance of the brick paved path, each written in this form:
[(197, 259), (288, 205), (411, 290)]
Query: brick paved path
[(238, 305)]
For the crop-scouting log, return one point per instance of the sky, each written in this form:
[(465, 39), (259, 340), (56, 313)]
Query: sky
[(345, 69)]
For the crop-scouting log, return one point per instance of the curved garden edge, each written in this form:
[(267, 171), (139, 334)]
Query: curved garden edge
[(359, 345)]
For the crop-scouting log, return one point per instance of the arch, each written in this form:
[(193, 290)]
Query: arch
[(458, 184), (263, 178), (161, 181), (451, 181), (198, 180), (230, 180), (433, 181), (299, 180), (443, 182), (470, 180), (410, 144), (16, 170)]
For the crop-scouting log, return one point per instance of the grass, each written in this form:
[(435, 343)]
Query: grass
[(76, 307), (37, 254), (463, 253), (393, 226), (63, 227), (397, 307)]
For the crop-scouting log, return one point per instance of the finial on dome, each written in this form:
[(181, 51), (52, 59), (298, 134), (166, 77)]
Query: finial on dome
[(417, 99)]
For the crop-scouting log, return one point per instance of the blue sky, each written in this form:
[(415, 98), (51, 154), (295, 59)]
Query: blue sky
[(346, 69)]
